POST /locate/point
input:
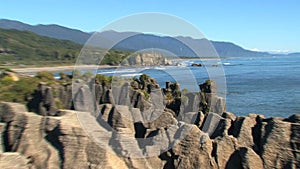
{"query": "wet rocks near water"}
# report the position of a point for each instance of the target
(196, 64)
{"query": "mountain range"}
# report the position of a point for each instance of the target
(138, 42)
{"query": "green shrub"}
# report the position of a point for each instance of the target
(144, 78)
(18, 91)
(184, 99)
(208, 82)
(87, 75)
(114, 57)
(76, 74)
(103, 79)
(59, 104)
(147, 96)
(169, 97)
(7, 80)
(45, 76)
(185, 91)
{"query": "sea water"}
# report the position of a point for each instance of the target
(262, 85)
(269, 86)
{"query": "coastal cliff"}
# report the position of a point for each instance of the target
(146, 59)
(137, 124)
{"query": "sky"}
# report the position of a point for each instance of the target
(260, 25)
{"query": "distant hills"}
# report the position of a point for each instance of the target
(25, 47)
(52, 31)
(175, 45)
(137, 42)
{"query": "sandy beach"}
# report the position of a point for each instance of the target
(34, 70)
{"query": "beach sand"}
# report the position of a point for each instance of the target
(34, 70)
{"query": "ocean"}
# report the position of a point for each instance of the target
(268, 85)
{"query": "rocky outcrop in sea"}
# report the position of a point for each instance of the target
(137, 124)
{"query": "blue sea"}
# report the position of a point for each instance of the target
(262, 85)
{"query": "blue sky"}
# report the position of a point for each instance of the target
(266, 25)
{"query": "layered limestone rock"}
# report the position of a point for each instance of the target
(190, 104)
(146, 59)
(211, 123)
(142, 93)
(210, 101)
(14, 160)
(65, 96)
(196, 118)
(119, 136)
(194, 150)
(137, 124)
(242, 129)
(2, 129)
(244, 157)
(224, 147)
(50, 142)
(43, 101)
(24, 133)
(207, 100)
(279, 144)
(77, 146)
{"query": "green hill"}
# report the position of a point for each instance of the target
(27, 48)
(24, 48)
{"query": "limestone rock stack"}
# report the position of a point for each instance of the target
(119, 137)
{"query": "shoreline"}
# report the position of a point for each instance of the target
(33, 70)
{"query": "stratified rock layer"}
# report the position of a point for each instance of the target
(119, 136)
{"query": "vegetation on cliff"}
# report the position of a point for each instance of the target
(23, 48)
(20, 90)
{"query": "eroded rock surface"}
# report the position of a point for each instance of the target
(43, 101)
(121, 136)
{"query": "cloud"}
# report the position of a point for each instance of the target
(279, 51)
(255, 50)
(275, 51)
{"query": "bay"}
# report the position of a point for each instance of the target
(268, 85)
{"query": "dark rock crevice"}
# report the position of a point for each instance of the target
(5, 137)
(220, 129)
(257, 135)
(202, 125)
(43, 101)
(231, 128)
(234, 130)
(53, 138)
(170, 158)
(140, 130)
(295, 142)
(13, 133)
(267, 129)
(234, 161)
(214, 153)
